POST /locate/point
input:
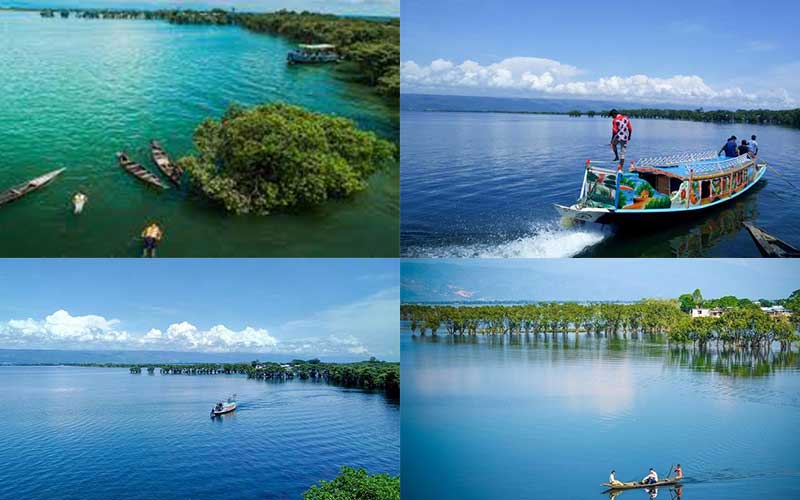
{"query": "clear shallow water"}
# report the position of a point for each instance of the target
(76, 91)
(104, 433)
(484, 185)
(507, 417)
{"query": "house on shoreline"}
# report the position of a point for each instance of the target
(777, 311)
(700, 312)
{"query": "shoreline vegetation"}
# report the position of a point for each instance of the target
(356, 484)
(738, 323)
(370, 375)
(372, 45)
(786, 118)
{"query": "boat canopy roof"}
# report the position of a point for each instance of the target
(696, 164)
(317, 46)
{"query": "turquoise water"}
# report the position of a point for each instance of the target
(98, 433)
(528, 416)
(76, 91)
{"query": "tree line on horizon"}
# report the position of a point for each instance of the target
(371, 375)
(785, 117)
(743, 324)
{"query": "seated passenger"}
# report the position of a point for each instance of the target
(743, 149)
(729, 148)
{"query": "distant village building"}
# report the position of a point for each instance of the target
(776, 311)
(700, 312)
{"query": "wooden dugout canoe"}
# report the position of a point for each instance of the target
(770, 246)
(139, 171)
(633, 485)
(165, 163)
(21, 190)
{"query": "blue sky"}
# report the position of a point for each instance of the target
(706, 53)
(316, 307)
(352, 7)
(594, 279)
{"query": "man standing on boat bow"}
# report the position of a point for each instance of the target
(621, 132)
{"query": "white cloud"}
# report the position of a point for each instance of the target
(531, 76)
(367, 327)
(61, 330)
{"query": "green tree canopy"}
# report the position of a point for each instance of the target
(687, 302)
(697, 297)
(278, 156)
(356, 484)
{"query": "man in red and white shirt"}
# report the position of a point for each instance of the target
(621, 131)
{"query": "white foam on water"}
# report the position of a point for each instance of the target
(545, 241)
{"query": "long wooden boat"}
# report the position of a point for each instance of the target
(633, 485)
(769, 245)
(139, 171)
(164, 162)
(21, 190)
(676, 185)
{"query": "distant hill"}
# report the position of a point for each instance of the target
(37, 356)
(430, 102)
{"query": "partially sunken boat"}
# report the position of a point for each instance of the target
(769, 245)
(139, 171)
(664, 185)
(164, 162)
(313, 54)
(633, 485)
(21, 190)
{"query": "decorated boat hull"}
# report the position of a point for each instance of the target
(609, 197)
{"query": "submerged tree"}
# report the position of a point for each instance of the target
(278, 156)
(356, 484)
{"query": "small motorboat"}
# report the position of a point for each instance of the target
(222, 408)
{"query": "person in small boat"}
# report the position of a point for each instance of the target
(678, 472)
(621, 133)
(753, 145)
(651, 477)
(743, 148)
(612, 479)
(152, 236)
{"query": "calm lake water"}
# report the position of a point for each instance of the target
(484, 185)
(76, 91)
(507, 417)
(103, 433)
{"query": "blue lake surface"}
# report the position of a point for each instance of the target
(101, 433)
(514, 417)
(484, 185)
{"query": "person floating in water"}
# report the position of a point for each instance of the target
(729, 148)
(621, 133)
(651, 477)
(78, 201)
(612, 479)
(152, 236)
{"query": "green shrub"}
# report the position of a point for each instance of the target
(356, 484)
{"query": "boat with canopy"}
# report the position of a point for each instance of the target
(313, 54)
(663, 185)
(222, 408)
